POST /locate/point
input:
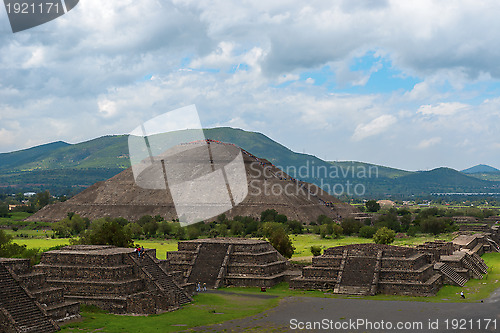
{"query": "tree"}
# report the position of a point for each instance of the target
(144, 220)
(350, 226)
(104, 232)
(384, 236)
(295, 227)
(4, 211)
(316, 250)
(150, 228)
(280, 240)
(269, 215)
(192, 232)
(133, 230)
(42, 199)
(367, 231)
(372, 206)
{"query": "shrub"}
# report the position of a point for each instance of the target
(350, 226)
(367, 231)
(280, 240)
(133, 230)
(102, 232)
(337, 231)
(412, 231)
(316, 250)
(384, 236)
(372, 206)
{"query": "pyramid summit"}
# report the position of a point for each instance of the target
(268, 188)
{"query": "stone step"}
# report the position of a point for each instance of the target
(451, 274)
(353, 290)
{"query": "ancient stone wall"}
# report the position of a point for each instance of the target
(229, 261)
(114, 279)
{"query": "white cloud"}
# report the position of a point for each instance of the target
(428, 142)
(374, 127)
(442, 109)
(86, 68)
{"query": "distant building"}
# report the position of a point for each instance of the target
(386, 203)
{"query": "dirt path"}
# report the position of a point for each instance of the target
(462, 317)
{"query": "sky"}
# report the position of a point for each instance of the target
(407, 84)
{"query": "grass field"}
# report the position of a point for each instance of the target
(15, 219)
(206, 309)
(302, 243)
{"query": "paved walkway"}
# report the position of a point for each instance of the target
(421, 316)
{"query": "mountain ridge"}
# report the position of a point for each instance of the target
(61, 166)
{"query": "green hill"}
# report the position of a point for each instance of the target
(66, 168)
(481, 168)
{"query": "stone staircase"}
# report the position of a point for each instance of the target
(164, 280)
(208, 263)
(221, 262)
(479, 263)
(23, 312)
(451, 274)
(113, 279)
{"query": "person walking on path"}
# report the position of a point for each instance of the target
(204, 286)
(198, 287)
(462, 294)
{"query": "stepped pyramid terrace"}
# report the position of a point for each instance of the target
(369, 269)
(268, 188)
(221, 262)
(27, 301)
(114, 279)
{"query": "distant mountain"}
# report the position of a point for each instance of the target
(440, 180)
(66, 168)
(481, 168)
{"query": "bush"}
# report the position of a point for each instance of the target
(384, 236)
(435, 226)
(282, 243)
(295, 227)
(102, 232)
(367, 231)
(316, 250)
(337, 231)
(269, 215)
(350, 226)
(412, 231)
(372, 206)
(133, 230)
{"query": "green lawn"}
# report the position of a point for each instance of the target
(303, 243)
(207, 309)
(161, 246)
(42, 243)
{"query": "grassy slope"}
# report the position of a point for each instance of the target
(206, 309)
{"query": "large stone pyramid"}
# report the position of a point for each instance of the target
(268, 188)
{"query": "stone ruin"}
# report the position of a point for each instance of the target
(368, 269)
(221, 262)
(114, 279)
(27, 301)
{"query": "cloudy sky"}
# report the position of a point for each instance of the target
(408, 84)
